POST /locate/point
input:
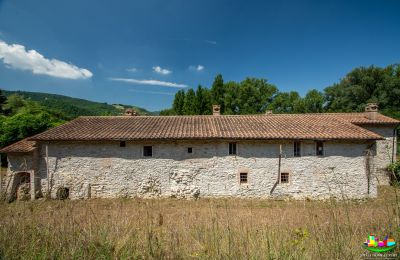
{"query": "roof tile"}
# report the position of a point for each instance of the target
(279, 126)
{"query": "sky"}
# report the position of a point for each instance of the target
(142, 52)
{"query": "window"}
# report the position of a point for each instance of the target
(190, 150)
(148, 151)
(284, 177)
(320, 148)
(232, 148)
(297, 149)
(243, 178)
(122, 144)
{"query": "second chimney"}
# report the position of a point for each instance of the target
(216, 110)
(371, 110)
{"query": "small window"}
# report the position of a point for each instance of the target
(232, 148)
(190, 150)
(320, 148)
(243, 178)
(284, 177)
(122, 144)
(148, 151)
(297, 149)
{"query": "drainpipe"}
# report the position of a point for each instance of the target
(279, 169)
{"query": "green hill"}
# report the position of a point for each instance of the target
(74, 107)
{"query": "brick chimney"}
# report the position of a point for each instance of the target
(216, 110)
(371, 111)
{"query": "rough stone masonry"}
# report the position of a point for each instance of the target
(352, 162)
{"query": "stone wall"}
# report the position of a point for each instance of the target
(94, 170)
(18, 164)
(383, 153)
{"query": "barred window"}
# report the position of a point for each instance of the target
(284, 177)
(122, 144)
(190, 150)
(243, 178)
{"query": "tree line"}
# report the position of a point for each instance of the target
(254, 96)
(20, 118)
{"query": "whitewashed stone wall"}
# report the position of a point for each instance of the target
(383, 153)
(17, 163)
(93, 170)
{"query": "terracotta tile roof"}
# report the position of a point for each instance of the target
(362, 119)
(23, 146)
(246, 127)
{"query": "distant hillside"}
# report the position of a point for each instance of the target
(74, 107)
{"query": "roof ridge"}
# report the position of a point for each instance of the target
(244, 115)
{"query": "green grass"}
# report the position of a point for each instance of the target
(202, 229)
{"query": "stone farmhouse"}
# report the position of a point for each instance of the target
(299, 156)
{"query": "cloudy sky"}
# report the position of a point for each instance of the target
(142, 52)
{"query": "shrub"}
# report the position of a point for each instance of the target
(394, 168)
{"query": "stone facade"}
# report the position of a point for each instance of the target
(19, 175)
(383, 153)
(105, 170)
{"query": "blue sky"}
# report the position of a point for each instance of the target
(142, 52)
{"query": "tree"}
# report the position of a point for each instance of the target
(364, 85)
(29, 120)
(203, 102)
(179, 102)
(314, 102)
(190, 102)
(255, 95)
(231, 98)
(3, 100)
(287, 102)
(218, 92)
(14, 103)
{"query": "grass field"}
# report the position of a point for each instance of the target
(202, 229)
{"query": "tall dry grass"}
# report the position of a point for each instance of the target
(203, 229)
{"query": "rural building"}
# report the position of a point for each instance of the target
(316, 156)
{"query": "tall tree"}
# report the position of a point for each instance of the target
(218, 92)
(231, 98)
(190, 103)
(203, 101)
(179, 102)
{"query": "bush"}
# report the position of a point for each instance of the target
(394, 169)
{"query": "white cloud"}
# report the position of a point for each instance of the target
(15, 56)
(161, 71)
(210, 42)
(200, 67)
(152, 92)
(196, 68)
(150, 82)
(131, 69)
